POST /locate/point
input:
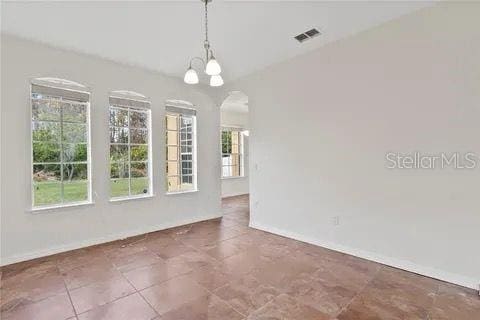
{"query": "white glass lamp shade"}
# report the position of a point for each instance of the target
(213, 68)
(191, 76)
(216, 81)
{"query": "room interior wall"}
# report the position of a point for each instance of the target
(322, 124)
(26, 235)
(236, 186)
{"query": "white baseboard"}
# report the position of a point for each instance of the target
(234, 195)
(90, 242)
(389, 261)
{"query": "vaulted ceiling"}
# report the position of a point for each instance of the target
(163, 36)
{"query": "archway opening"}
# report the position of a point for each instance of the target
(234, 120)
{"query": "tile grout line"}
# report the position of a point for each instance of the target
(228, 304)
(347, 305)
(213, 293)
(99, 306)
(140, 294)
(154, 284)
(67, 290)
(109, 259)
(237, 279)
(214, 242)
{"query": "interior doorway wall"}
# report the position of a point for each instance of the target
(234, 119)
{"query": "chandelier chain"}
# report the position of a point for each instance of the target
(206, 21)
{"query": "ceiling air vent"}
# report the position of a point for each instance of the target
(307, 35)
(312, 33)
(301, 37)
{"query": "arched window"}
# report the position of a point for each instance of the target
(181, 169)
(60, 143)
(130, 146)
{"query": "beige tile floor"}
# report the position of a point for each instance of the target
(222, 269)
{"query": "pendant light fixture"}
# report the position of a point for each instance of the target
(212, 67)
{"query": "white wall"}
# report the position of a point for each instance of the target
(25, 235)
(238, 185)
(322, 123)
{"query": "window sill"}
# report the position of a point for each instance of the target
(123, 199)
(180, 192)
(230, 178)
(60, 207)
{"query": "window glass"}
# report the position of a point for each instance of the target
(180, 166)
(60, 147)
(129, 151)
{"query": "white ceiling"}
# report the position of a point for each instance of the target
(236, 101)
(162, 36)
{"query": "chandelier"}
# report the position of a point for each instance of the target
(212, 68)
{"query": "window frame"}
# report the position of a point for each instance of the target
(149, 161)
(241, 153)
(60, 85)
(180, 175)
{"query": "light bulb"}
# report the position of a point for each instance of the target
(216, 81)
(191, 76)
(213, 68)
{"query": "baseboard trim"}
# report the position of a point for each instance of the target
(235, 195)
(389, 261)
(91, 242)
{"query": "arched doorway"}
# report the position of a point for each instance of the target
(234, 144)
